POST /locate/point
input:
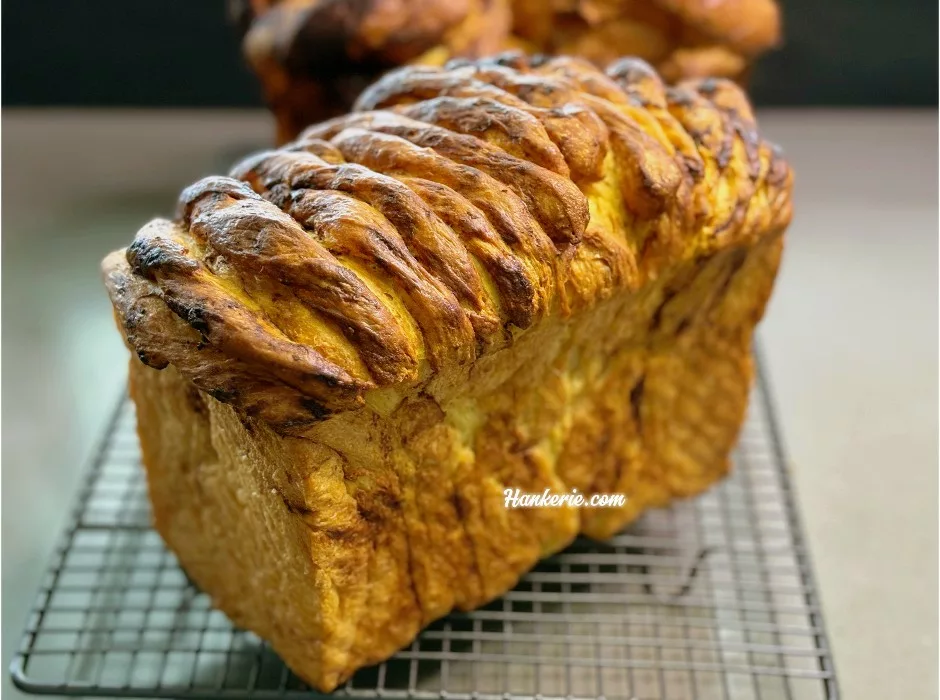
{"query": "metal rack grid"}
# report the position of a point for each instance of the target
(712, 598)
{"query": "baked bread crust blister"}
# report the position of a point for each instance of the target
(506, 273)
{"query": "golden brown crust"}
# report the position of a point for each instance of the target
(578, 133)
(650, 177)
(554, 201)
(389, 244)
(510, 129)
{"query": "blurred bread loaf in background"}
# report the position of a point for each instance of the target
(314, 57)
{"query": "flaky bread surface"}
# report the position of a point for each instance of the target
(510, 273)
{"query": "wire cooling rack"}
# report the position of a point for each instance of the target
(712, 598)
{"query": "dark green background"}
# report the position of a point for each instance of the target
(185, 53)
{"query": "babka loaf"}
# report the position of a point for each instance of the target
(512, 273)
(314, 56)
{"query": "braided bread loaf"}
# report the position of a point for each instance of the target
(509, 273)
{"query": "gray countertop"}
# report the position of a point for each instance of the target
(850, 337)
